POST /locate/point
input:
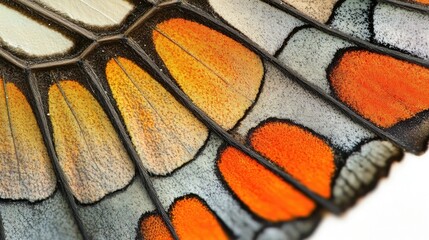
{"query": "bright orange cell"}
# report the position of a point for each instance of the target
(421, 1)
(382, 89)
(299, 152)
(266, 194)
(152, 227)
(219, 74)
(193, 220)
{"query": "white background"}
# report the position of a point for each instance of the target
(398, 208)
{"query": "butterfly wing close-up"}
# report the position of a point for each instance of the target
(203, 119)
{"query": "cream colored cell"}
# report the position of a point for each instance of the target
(94, 13)
(320, 10)
(164, 133)
(23, 34)
(25, 168)
(89, 150)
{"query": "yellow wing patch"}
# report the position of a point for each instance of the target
(25, 168)
(89, 150)
(165, 134)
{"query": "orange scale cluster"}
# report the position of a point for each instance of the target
(426, 2)
(153, 227)
(299, 152)
(264, 193)
(381, 88)
(191, 219)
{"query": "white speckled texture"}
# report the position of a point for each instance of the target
(285, 99)
(352, 17)
(42, 220)
(262, 23)
(403, 29)
(309, 52)
(117, 216)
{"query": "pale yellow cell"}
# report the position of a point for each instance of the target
(164, 133)
(25, 168)
(220, 75)
(89, 150)
(320, 10)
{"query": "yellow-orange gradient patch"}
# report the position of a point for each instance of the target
(266, 194)
(25, 168)
(165, 134)
(381, 88)
(299, 152)
(191, 219)
(220, 75)
(89, 150)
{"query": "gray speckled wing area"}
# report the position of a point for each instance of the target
(266, 26)
(282, 98)
(48, 219)
(116, 216)
(311, 47)
(388, 25)
(402, 29)
(353, 17)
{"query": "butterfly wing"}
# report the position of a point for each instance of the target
(247, 125)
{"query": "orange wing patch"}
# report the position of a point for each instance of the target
(421, 1)
(191, 219)
(89, 150)
(381, 88)
(220, 75)
(194, 220)
(266, 194)
(165, 134)
(25, 168)
(303, 155)
(300, 153)
(152, 227)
